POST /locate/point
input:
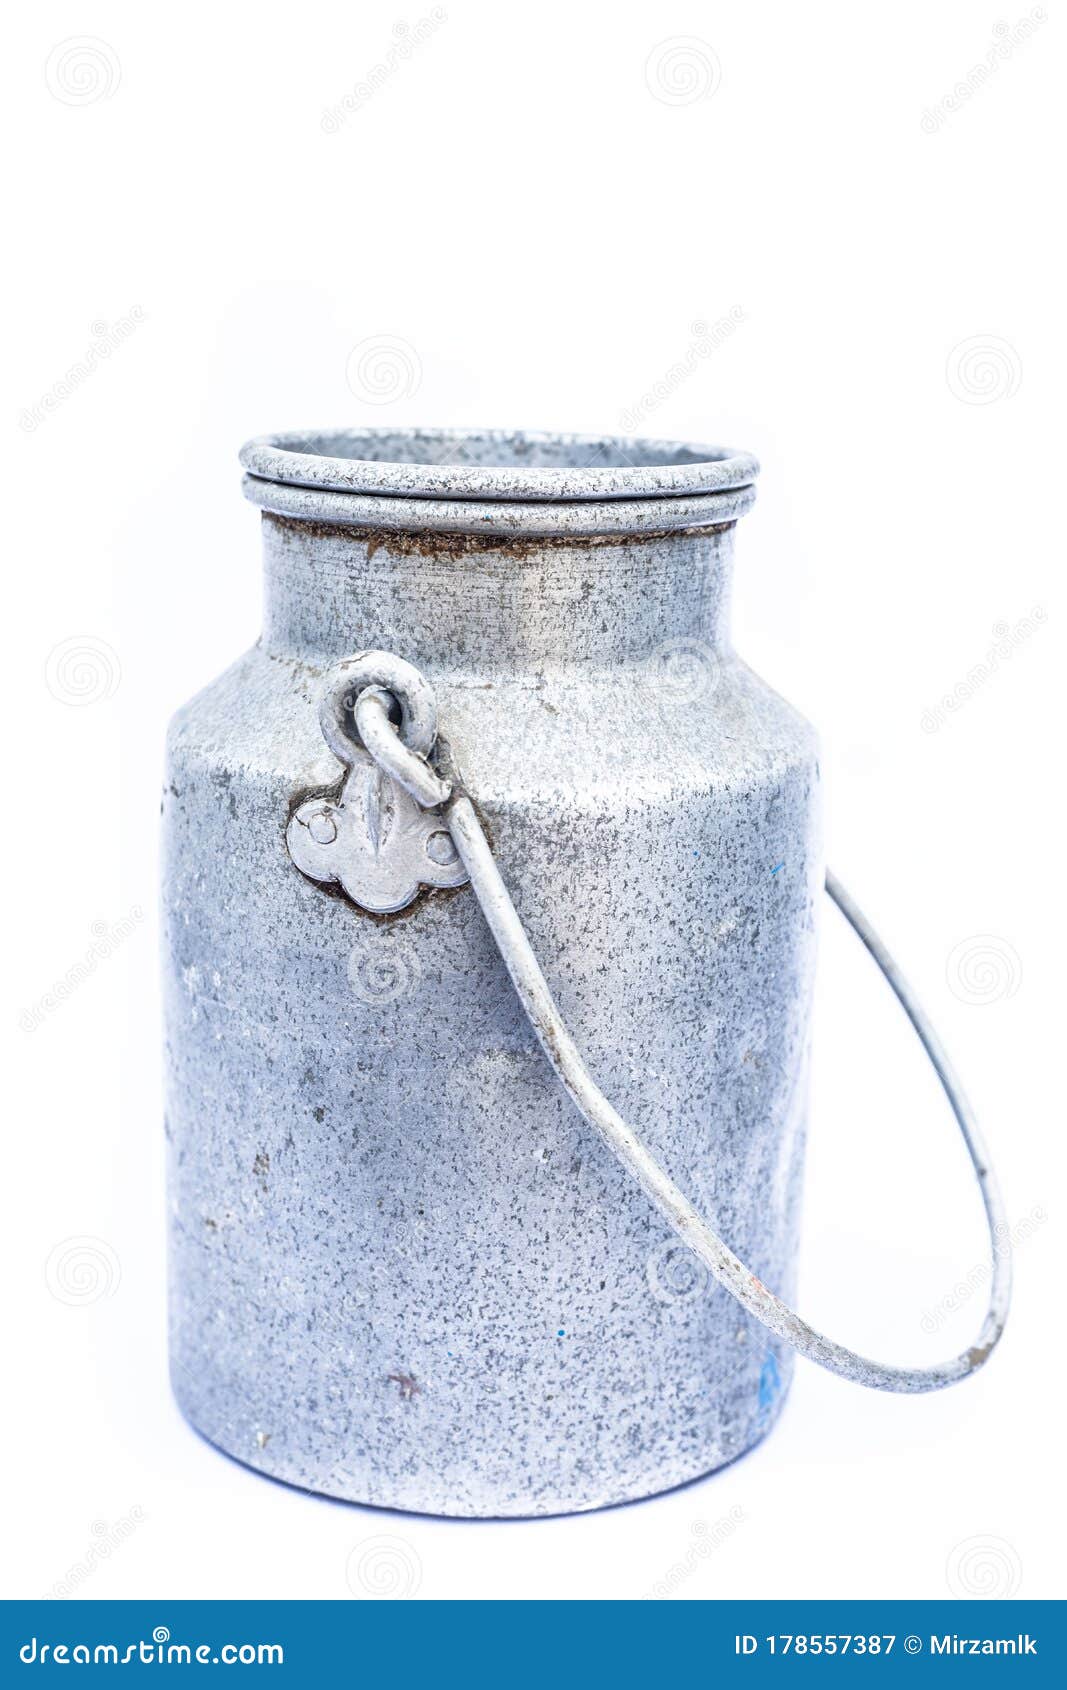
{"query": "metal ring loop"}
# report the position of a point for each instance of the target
(412, 692)
(388, 750)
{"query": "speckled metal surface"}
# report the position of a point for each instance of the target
(403, 1271)
(479, 464)
(470, 482)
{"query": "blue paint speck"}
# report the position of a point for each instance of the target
(770, 1386)
(775, 870)
(561, 1333)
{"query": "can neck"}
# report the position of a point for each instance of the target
(483, 606)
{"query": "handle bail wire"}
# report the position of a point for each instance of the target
(409, 766)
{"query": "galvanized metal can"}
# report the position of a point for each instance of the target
(403, 1271)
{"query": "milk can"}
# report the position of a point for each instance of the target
(492, 804)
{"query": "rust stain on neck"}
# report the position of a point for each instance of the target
(414, 542)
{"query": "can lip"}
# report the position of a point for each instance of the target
(484, 465)
(506, 520)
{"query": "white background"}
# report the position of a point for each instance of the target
(532, 213)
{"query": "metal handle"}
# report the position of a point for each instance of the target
(409, 769)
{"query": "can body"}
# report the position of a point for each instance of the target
(403, 1270)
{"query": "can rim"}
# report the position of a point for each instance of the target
(514, 465)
